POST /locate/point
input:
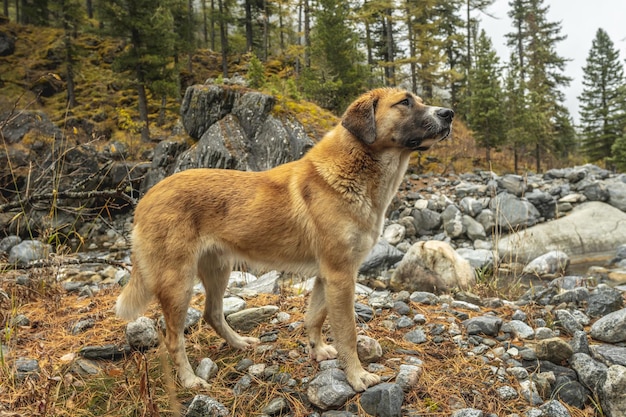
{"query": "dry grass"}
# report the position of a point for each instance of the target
(142, 384)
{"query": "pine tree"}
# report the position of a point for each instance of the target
(541, 73)
(148, 25)
(602, 113)
(485, 103)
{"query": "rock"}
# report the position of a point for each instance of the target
(416, 336)
(25, 121)
(276, 406)
(8, 242)
(432, 266)
(265, 284)
(555, 350)
(617, 195)
(591, 227)
(233, 305)
(519, 329)
(554, 408)
(468, 412)
(368, 349)
(513, 184)
(544, 202)
(473, 229)
(382, 256)
(206, 369)
(394, 233)
(507, 393)
(609, 354)
(567, 321)
(453, 221)
(579, 342)
(487, 325)
(423, 297)
(142, 333)
(384, 400)
(364, 312)
(82, 325)
(610, 328)
(478, 258)
(246, 320)
(7, 44)
(29, 251)
(329, 389)
(550, 263)
(26, 368)
(613, 389)
(380, 299)
(205, 406)
(426, 220)
(591, 373)
(471, 206)
(408, 376)
(570, 392)
(604, 300)
(106, 352)
(512, 213)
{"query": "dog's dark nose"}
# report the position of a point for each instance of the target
(446, 114)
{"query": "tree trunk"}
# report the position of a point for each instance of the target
(248, 24)
(411, 49)
(281, 29)
(515, 160)
(143, 107)
(307, 34)
(223, 38)
(212, 25)
(205, 30)
(71, 90)
(6, 7)
(89, 5)
(266, 32)
(190, 22)
(161, 119)
(488, 155)
(538, 157)
(390, 48)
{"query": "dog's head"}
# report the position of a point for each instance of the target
(397, 118)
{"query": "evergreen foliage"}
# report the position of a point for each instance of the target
(602, 111)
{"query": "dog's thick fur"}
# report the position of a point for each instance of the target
(319, 215)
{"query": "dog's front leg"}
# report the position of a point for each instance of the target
(315, 316)
(339, 294)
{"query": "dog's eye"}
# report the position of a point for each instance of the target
(404, 102)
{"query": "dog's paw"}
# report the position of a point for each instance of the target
(244, 342)
(323, 352)
(194, 382)
(362, 379)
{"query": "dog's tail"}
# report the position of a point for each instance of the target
(135, 296)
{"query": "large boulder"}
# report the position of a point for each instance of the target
(432, 266)
(236, 130)
(592, 227)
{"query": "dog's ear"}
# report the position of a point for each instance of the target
(360, 118)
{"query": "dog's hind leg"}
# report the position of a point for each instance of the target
(214, 273)
(313, 321)
(175, 302)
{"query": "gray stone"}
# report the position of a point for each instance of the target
(232, 305)
(609, 354)
(382, 256)
(276, 406)
(368, 349)
(567, 321)
(519, 329)
(592, 227)
(488, 325)
(471, 206)
(468, 412)
(453, 221)
(364, 312)
(610, 328)
(507, 393)
(514, 184)
(206, 369)
(380, 299)
(248, 319)
(590, 372)
(604, 300)
(579, 342)
(528, 390)
(554, 408)
(513, 213)
(548, 264)
(570, 391)
(488, 220)
(329, 389)
(106, 352)
(142, 333)
(613, 389)
(423, 297)
(25, 368)
(544, 202)
(205, 406)
(28, 251)
(394, 233)
(416, 336)
(8, 242)
(427, 220)
(478, 258)
(82, 325)
(384, 400)
(265, 284)
(617, 195)
(408, 376)
(473, 229)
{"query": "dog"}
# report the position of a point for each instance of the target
(319, 215)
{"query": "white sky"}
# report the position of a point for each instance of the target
(580, 19)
